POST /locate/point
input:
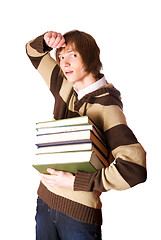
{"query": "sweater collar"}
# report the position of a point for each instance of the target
(93, 87)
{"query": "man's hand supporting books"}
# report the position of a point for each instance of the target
(58, 178)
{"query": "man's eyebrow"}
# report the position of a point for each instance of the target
(71, 50)
(68, 51)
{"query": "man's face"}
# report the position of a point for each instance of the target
(72, 65)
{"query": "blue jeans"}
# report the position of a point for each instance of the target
(52, 225)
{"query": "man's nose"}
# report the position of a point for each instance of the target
(66, 62)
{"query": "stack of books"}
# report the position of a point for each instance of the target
(70, 145)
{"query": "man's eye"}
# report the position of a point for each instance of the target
(61, 58)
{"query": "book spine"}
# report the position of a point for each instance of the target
(62, 143)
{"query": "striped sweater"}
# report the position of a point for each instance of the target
(104, 107)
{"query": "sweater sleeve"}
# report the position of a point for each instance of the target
(129, 167)
(39, 55)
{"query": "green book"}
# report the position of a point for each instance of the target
(86, 161)
(65, 122)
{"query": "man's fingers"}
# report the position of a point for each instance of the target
(50, 179)
(51, 41)
(47, 37)
(61, 43)
(56, 42)
(52, 171)
(54, 39)
(58, 178)
(48, 34)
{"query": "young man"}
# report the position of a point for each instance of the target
(69, 206)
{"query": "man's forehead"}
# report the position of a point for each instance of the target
(69, 47)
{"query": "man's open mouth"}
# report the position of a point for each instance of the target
(68, 72)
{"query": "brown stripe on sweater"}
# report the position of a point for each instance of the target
(35, 60)
(113, 92)
(66, 91)
(69, 207)
(103, 99)
(131, 172)
(33, 52)
(61, 110)
(84, 181)
(120, 135)
(62, 106)
(40, 45)
(56, 81)
(71, 114)
(106, 101)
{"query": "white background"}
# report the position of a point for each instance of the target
(128, 34)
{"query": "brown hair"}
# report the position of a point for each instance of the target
(87, 47)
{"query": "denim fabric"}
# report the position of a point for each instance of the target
(52, 225)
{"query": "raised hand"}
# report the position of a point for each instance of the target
(54, 39)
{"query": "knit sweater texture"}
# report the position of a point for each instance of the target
(104, 107)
